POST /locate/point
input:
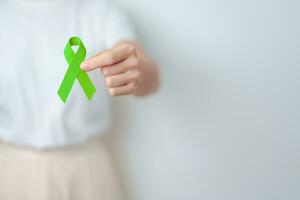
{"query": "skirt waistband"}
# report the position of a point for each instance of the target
(73, 149)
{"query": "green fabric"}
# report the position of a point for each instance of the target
(74, 72)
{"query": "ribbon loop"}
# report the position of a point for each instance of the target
(74, 72)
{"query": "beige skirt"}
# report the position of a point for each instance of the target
(75, 172)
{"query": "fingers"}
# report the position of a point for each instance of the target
(123, 84)
(123, 90)
(122, 79)
(108, 57)
(130, 63)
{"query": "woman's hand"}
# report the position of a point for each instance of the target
(126, 70)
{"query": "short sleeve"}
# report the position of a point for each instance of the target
(117, 26)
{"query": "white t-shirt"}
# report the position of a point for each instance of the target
(33, 37)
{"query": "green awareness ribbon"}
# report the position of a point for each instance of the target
(74, 72)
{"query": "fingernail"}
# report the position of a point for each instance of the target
(85, 65)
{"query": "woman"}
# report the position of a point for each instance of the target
(48, 149)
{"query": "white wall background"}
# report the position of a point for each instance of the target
(226, 123)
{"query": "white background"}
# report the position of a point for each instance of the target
(225, 124)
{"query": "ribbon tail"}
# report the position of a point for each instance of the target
(67, 84)
(86, 84)
(65, 89)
